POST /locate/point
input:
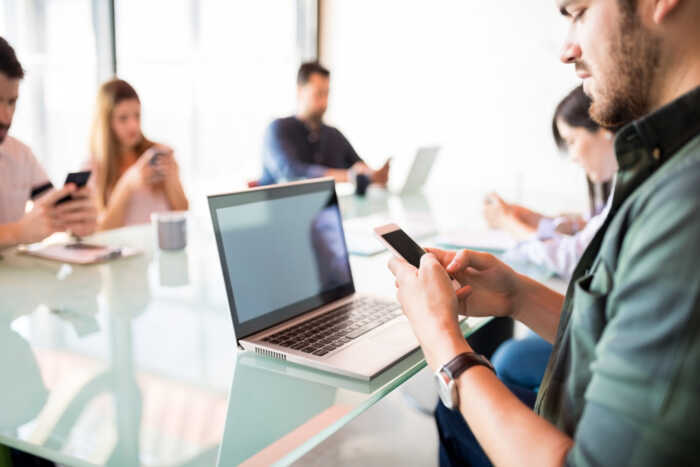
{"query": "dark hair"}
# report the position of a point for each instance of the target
(309, 68)
(9, 64)
(573, 110)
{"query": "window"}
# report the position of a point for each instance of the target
(54, 110)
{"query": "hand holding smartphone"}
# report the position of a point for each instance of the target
(80, 179)
(403, 246)
(399, 243)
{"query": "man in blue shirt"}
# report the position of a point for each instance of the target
(302, 146)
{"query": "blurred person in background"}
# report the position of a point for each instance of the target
(558, 243)
(23, 179)
(133, 176)
(303, 146)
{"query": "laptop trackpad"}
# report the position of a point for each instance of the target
(378, 349)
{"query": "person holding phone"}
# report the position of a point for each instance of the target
(303, 146)
(23, 179)
(132, 175)
(621, 386)
(550, 238)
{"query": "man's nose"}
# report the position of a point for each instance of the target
(570, 52)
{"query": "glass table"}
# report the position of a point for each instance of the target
(133, 362)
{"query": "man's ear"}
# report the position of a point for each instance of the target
(663, 8)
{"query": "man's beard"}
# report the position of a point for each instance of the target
(315, 118)
(625, 92)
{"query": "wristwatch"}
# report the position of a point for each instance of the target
(445, 377)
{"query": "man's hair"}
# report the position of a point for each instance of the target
(628, 6)
(573, 110)
(309, 68)
(9, 65)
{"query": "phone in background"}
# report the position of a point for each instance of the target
(399, 243)
(80, 179)
(40, 190)
(157, 154)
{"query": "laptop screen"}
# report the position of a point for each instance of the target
(282, 251)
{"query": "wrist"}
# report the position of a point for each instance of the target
(517, 296)
(450, 344)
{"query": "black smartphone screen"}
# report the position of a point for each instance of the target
(405, 245)
(80, 179)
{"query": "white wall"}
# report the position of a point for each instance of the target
(481, 78)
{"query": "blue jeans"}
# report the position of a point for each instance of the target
(522, 362)
(520, 365)
(458, 446)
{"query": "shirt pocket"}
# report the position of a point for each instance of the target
(590, 299)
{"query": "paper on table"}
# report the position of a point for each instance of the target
(65, 254)
(491, 240)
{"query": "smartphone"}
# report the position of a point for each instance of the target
(399, 243)
(403, 246)
(80, 179)
(155, 156)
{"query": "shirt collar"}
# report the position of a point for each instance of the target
(660, 134)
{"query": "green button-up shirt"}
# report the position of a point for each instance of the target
(624, 376)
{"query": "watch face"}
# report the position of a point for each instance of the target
(446, 390)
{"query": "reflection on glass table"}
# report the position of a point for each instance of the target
(278, 411)
(132, 362)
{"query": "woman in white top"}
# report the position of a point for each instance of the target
(133, 176)
(558, 243)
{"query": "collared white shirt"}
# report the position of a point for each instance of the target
(20, 172)
(560, 253)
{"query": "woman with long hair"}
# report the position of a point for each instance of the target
(558, 242)
(522, 362)
(132, 175)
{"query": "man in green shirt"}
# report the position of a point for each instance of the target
(623, 384)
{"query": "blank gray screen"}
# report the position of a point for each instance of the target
(282, 251)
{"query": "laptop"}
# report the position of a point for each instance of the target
(290, 288)
(420, 170)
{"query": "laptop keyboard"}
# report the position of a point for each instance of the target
(336, 328)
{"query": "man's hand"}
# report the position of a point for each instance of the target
(431, 306)
(79, 215)
(381, 176)
(43, 220)
(489, 287)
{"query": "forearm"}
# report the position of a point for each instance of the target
(9, 235)
(519, 229)
(115, 211)
(177, 200)
(509, 432)
(538, 307)
(340, 175)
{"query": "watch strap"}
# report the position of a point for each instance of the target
(462, 362)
